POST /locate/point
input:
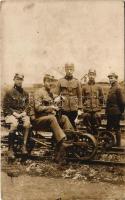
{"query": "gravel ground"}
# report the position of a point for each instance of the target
(45, 188)
(45, 180)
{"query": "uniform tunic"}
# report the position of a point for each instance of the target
(92, 97)
(70, 88)
(15, 101)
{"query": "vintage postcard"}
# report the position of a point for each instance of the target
(62, 99)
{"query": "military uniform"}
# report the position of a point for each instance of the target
(45, 118)
(16, 100)
(114, 108)
(15, 107)
(70, 89)
(93, 99)
(92, 96)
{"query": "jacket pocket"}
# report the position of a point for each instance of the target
(73, 103)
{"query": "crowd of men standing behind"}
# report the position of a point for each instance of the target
(76, 100)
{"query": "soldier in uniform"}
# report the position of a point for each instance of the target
(15, 107)
(45, 115)
(115, 106)
(70, 88)
(93, 99)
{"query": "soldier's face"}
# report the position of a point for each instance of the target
(18, 82)
(47, 84)
(112, 79)
(69, 72)
(91, 76)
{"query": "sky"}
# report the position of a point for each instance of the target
(39, 37)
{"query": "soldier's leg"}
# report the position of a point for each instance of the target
(50, 122)
(26, 125)
(113, 124)
(109, 125)
(13, 126)
(72, 116)
(97, 119)
(65, 123)
(87, 121)
(117, 129)
(96, 122)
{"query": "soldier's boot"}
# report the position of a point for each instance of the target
(24, 149)
(61, 151)
(11, 138)
(118, 139)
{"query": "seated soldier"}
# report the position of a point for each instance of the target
(15, 106)
(93, 100)
(45, 118)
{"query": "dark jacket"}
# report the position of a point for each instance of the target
(115, 101)
(70, 88)
(92, 97)
(42, 99)
(15, 101)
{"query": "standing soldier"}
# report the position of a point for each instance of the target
(93, 100)
(15, 107)
(70, 88)
(115, 106)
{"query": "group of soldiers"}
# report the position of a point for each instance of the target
(75, 100)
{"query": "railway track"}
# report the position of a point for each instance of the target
(89, 162)
(117, 151)
(74, 160)
(113, 150)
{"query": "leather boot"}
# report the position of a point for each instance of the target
(24, 150)
(11, 138)
(61, 151)
(118, 139)
(11, 154)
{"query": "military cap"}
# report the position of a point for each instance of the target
(20, 76)
(92, 71)
(69, 66)
(48, 76)
(113, 75)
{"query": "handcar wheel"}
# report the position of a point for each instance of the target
(86, 147)
(106, 139)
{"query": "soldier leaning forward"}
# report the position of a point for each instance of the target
(93, 99)
(115, 106)
(70, 88)
(15, 107)
(45, 118)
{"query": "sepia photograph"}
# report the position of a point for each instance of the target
(62, 99)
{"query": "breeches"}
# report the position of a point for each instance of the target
(13, 121)
(71, 115)
(50, 123)
(89, 119)
(113, 122)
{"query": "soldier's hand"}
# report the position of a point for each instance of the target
(54, 108)
(57, 99)
(17, 115)
(80, 112)
(50, 109)
(32, 117)
(23, 114)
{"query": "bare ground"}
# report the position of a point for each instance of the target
(44, 188)
(45, 180)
